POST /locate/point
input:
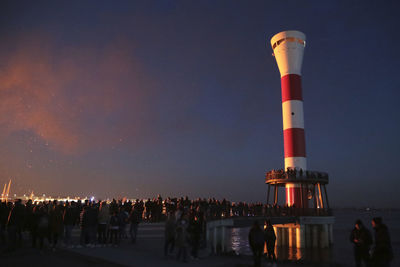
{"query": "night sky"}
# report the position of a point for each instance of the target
(126, 98)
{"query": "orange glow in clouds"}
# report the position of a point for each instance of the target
(63, 96)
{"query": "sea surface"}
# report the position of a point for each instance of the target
(342, 250)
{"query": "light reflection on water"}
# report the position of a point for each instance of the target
(238, 242)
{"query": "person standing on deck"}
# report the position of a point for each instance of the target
(362, 240)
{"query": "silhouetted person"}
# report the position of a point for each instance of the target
(362, 240)
(382, 253)
(33, 225)
(103, 218)
(56, 226)
(134, 219)
(181, 240)
(42, 225)
(3, 222)
(28, 223)
(83, 223)
(170, 231)
(70, 218)
(123, 219)
(114, 229)
(11, 227)
(91, 224)
(256, 242)
(195, 235)
(18, 213)
(270, 238)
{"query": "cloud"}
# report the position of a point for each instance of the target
(73, 98)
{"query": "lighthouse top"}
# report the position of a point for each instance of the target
(288, 49)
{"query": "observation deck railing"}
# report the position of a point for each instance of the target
(281, 176)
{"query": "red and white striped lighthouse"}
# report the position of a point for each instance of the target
(288, 47)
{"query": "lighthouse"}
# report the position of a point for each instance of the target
(288, 49)
(305, 190)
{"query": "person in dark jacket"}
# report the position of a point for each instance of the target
(33, 224)
(3, 221)
(362, 240)
(270, 238)
(28, 223)
(42, 221)
(382, 253)
(123, 219)
(70, 218)
(256, 242)
(103, 218)
(181, 238)
(170, 231)
(91, 224)
(56, 226)
(114, 229)
(134, 219)
(84, 225)
(12, 221)
(18, 213)
(195, 235)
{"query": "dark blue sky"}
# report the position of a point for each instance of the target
(129, 98)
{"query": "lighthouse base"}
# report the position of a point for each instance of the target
(308, 232)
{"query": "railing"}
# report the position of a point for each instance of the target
(293, 211)
(296, 174)
(276, 211)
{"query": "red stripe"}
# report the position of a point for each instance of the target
(294, 142)
(291, 87)
(295, 197)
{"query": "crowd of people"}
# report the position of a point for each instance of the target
(184, 229)
(293, 173)
(101, 223)
(157, 209)
(49, 224)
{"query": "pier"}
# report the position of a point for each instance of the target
(291, 231)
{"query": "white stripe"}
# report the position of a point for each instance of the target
(292, 114)
(296, 162)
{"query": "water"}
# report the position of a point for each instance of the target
(342, 250)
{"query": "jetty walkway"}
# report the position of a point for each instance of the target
(147, 251)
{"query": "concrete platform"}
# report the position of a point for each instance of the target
(147, 251)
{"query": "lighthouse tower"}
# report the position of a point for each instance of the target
(288, 47)
(313, 221)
